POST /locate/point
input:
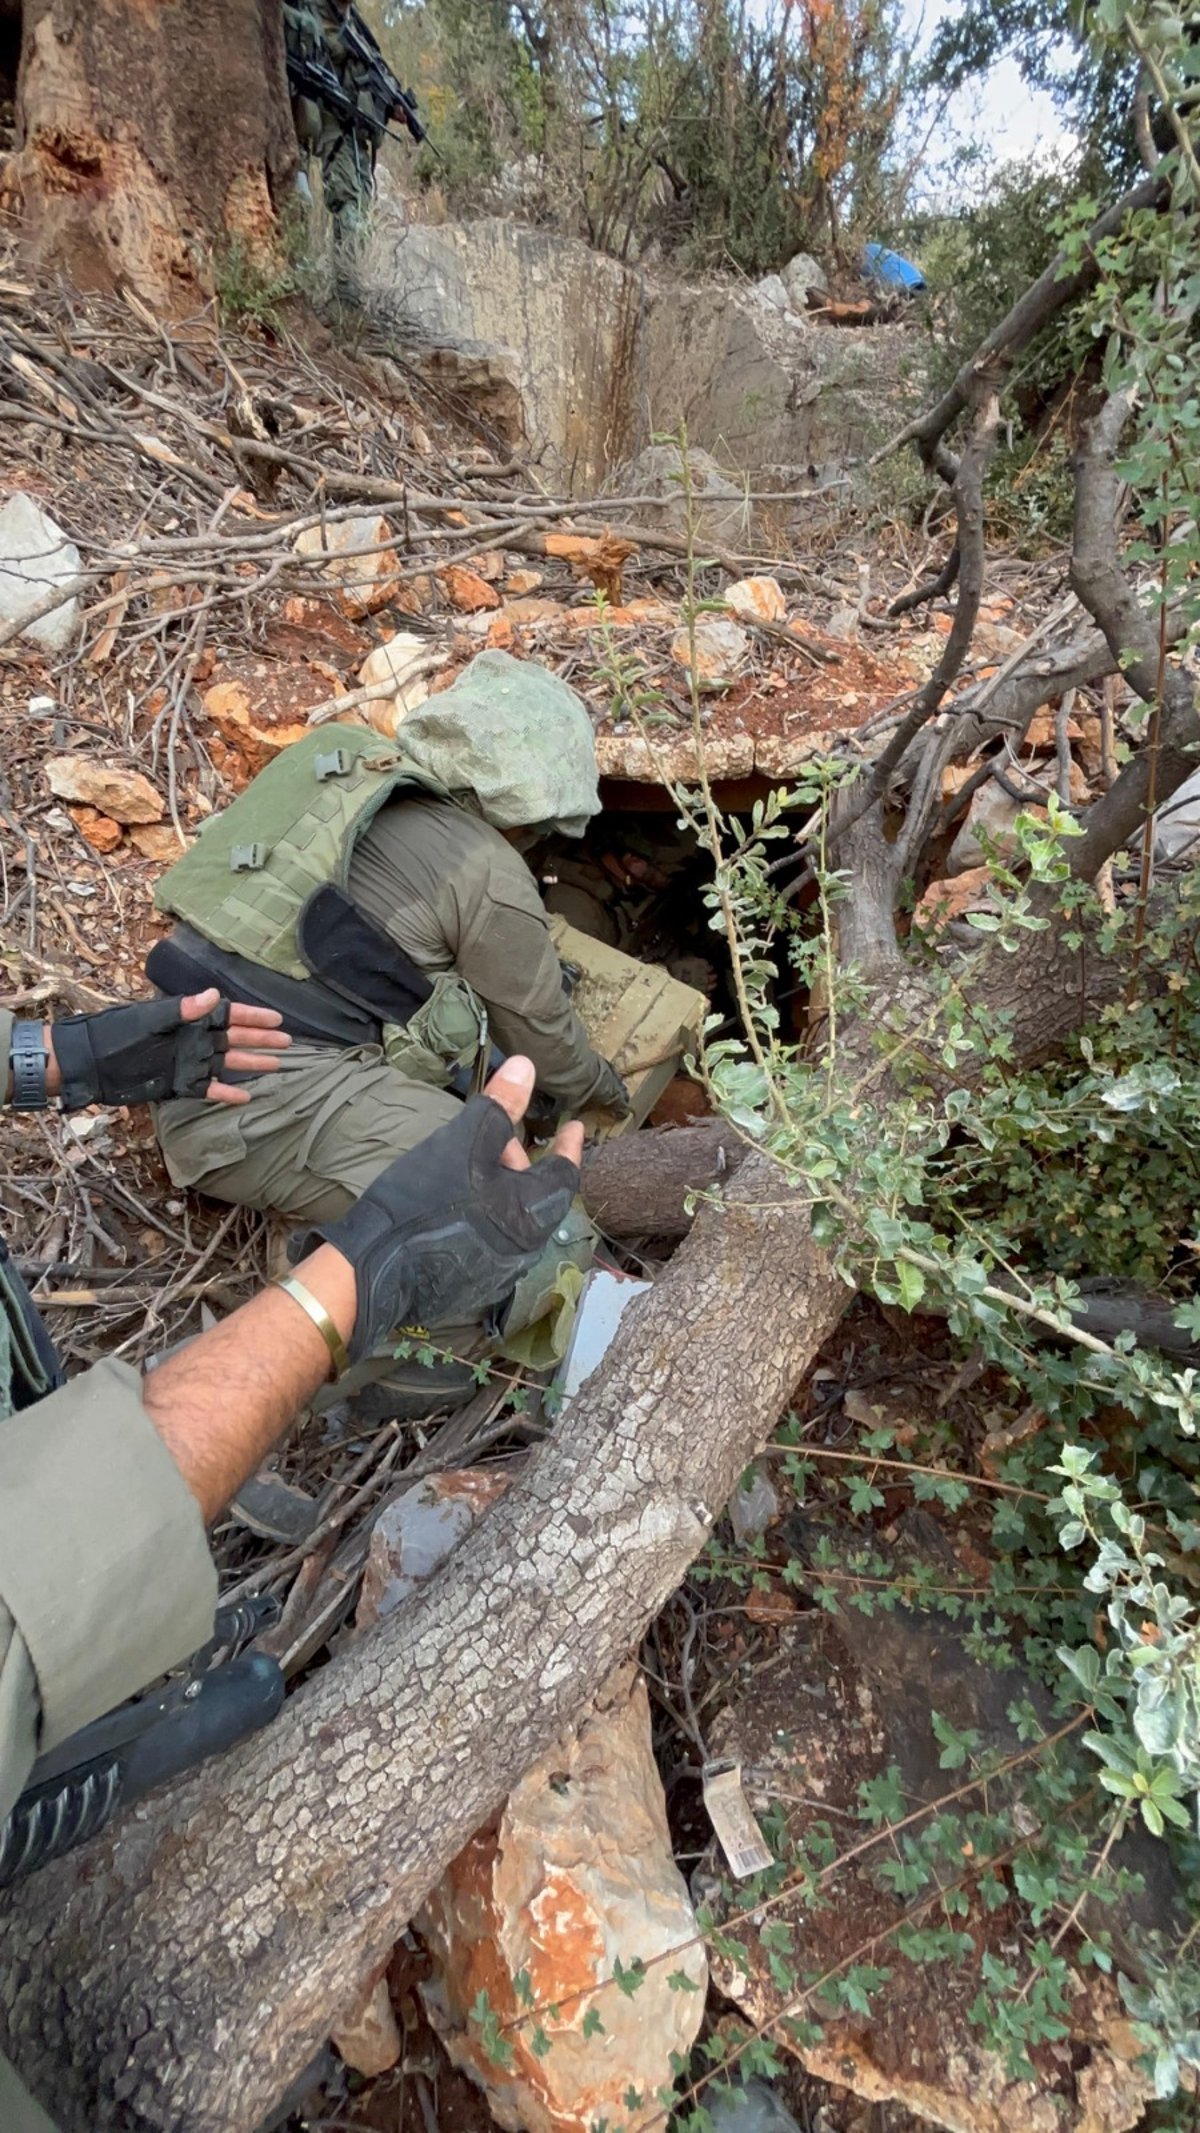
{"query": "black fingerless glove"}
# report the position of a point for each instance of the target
(140, 1054)
(446, 1231)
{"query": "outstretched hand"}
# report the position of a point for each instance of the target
(152, 1050)
(446, 1231)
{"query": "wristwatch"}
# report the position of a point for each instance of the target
(28, 1062)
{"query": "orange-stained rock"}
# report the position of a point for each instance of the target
(519, 582)
(414, 596)
(466, 590)
(756, 599)
(249, 725)
(501, 633)
(100, 831)
(525, 611)
(158, 841)
(575, 1876)
(342, 551)
(490, 565)
(417, 1531)
(109, 788)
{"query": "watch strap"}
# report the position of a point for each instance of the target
(28, 1063)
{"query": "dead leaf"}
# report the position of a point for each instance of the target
(124, 794)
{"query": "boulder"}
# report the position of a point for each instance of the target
(575, 1878)
(35, 556)
(107, 787)
(757, 599)
(365, 581)
(801, 277)
(1177, 823)
(368, 2037)
(716, 647)
(721, 514)
(771, 290)
(403, 662)
(993, 811)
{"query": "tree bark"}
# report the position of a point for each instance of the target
(636, 1185)
(146, 135)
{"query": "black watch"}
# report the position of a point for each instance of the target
(28, 1060)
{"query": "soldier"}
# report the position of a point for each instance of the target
(344, 95)
(108, 1483)
(371, 891)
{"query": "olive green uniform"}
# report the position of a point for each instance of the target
(105, 1577)
(346, 153)
(453, 894)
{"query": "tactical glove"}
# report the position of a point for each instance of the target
(140, 1054)
(446, 1231)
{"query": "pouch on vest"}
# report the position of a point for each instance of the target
(431, 1026)
(448, 1032)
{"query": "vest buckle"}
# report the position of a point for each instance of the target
(247, 858)
(333, 765)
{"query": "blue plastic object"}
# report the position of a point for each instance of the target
(890, 270)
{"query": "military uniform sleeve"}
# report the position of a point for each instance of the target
(496, 929)
(105, 1576)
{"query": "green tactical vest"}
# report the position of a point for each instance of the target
(246, 879)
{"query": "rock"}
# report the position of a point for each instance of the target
(35, 556)
(771, 290)
(667, 757)
(100, 831)
(576, 1875)
(1041, 731)
(368, 2038)
(720, 512)
(757, 599)
(803, 277)
(993, 812)
(364, 581)
(158, 841)
(416, 1532)
(874, 1683)
(719, 647)
(466, 590)
(257, 729)
(404, 661)
(520, 582)
(523, 612)
(1177, 823)
(746, 2107)
(109, 788)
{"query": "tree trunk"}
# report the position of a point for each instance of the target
(147, 136)
(637, 1184)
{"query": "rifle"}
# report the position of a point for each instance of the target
(387, 88)
(316, 78)
(222, 1696)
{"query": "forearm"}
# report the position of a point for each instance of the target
(221, 1402)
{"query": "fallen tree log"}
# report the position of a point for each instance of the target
(178, 1973)
(636, 1184)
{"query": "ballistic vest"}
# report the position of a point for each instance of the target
(246, 879)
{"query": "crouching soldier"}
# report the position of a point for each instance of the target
(372, 892)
